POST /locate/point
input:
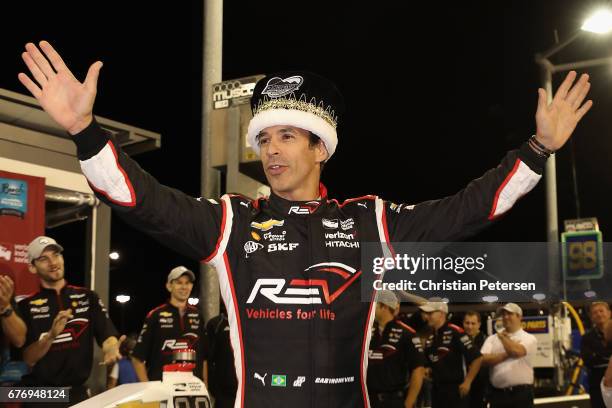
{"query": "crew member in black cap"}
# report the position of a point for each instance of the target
(290, 266)
(453, 358)
(172, 326)
(62, 321)
(396, 358)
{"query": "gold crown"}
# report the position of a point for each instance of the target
(327, 114)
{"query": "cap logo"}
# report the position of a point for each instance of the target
(277, 87)
(43, 241)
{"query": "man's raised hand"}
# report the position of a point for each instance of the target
(556, 121)
(68, 101)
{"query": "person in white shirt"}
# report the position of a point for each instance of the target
(509, 354)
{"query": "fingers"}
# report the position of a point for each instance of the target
(91, 81)
(39, 76)
(6, 290)
(40, 60)
(584, 109)
(64, 315)
(580, 88)
(54, 57)
(30, 85)
(580, 95)
(542, 99)
(565, 86)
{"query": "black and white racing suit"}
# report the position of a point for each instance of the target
(290, 271)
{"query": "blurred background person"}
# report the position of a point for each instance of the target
(449, 352)
(122, 372)
(471, 324)
(172, 326)
(395, 359)
(595, 351)
(221, 373)
(508, 354)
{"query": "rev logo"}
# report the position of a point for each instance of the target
(305, 209)
(329, 280)
(188, 341)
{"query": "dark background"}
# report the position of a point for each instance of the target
(436, 93)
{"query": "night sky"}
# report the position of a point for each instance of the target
(436, 93)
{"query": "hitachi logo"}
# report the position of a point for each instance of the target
(341, 244)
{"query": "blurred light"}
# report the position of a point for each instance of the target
(114, 255)
(193, 301)
(541, 312)
(590, 293)
(600, 22)
(539, 296)
(122, 298)
(490, 299)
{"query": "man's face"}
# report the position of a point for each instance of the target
(180, 288)
(289, 162)
(435, 318)
(511, 321)
(49, 266)
(600, 314)
(471, 325)
(383, 312)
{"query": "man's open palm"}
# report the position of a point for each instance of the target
(68, 101)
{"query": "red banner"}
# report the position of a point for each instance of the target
(22, 218)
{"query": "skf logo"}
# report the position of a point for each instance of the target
(38, 302)
(165, 314)
(267, 225)
(282, 246)
(329, 280)
(187, 342)
(305, 209)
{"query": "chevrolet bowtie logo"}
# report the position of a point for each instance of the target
(267, 225)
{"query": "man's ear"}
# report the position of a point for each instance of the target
(322, 153)
(169, 287)
(32, 268)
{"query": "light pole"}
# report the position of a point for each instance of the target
(600, 23)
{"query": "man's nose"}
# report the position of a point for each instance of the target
(273, 147)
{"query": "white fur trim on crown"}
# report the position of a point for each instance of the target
(304, 120)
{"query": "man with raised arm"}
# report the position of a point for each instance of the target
(290, 265)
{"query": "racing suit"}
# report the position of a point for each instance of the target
(166, 331)
(290, 272)
(70, 358)
(393, 355)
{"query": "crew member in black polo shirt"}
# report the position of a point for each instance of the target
(395, 355)
(62, 321)
(595, 351)
(453, 358)
(174, 325)
(222, 382)
(471, 325)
